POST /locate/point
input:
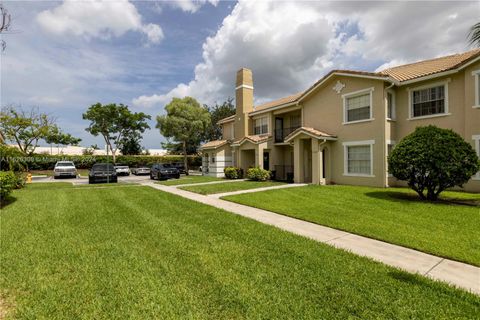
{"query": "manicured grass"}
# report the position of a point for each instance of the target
(449, 228)
(189, 179)
(143, 254)
(230, 186)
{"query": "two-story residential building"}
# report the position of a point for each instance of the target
(342, 128)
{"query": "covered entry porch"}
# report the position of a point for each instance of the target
(251, 152)
(311, 155)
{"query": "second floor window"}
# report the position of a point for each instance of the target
(358, 108)
(261, 126)
(429, 101)
(390, 105)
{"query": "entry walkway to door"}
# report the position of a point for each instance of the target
(456, 273)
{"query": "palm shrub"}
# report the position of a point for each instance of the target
(432, 159)
(258, 174)
(233, 172)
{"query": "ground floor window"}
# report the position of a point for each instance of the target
(358, 158)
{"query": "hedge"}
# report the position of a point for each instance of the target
(233, 173)
(258, 174)
(47, 162)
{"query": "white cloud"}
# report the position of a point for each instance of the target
(97, 18)
(191, 6)
(289, 45)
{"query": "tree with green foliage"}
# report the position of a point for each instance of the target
(25, 128)
(474, 34)
(185, 122)
(114, 122)
(432, 159)
(130, 145)
(217, 113)
(58, 137)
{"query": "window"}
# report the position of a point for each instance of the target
(295, 121)
(429, 101)
(476, 74)
(390, 105)
(476, 142)
(358, 158)
(261, 126)
(390, 146)
(357, 106)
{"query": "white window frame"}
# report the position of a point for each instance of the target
(476, 142)
(260, 119)
(347, 144)
(353, 95)
(476, 74)
(428, 86)
(394, 106)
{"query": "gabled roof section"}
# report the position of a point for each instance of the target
(255, 139)
(214, 144)
(278, 102)
(227, 119)
(312, 132)
(398, 75)
(424, 68)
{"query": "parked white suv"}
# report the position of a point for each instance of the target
(64, 169)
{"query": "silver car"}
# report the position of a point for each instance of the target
(141, 170)
(122, 170)
(64, 169)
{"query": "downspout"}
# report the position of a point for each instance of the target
(384, 147)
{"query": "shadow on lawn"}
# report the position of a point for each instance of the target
(6, 202)
(398, 196)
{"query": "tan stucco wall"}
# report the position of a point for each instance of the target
(228, 130)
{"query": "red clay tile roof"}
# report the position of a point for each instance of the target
(428, 67)
(278, 102)
(213, 144)
(312, 131)
(257, 138)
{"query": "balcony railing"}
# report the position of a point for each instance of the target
(280, 134)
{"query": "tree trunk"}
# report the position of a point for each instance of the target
(185, 162)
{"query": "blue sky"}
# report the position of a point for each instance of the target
(65, 56)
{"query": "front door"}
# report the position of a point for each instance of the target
(266, 160)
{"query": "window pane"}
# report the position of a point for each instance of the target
(429, 101)
(358, 159)
(389, 105)
(358, 108)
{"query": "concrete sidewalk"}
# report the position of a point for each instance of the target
(205, 183)
(231, 193)
(456, 273)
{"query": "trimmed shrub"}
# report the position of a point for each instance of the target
(8, 182)
(233, 173)
(258, 174)
(432, 159)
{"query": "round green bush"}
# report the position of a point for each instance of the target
(258, 174)
(432, 159)
(233, 173)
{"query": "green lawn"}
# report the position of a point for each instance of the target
(450, 228)
(139, 253)
(189, 179)
(230, 186)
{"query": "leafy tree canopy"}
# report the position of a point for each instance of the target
(217, 113)
(114, 122)
(186, 121)
(432, 159)
(25, 128)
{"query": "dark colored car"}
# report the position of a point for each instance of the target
(102, 172)
(180, 167)
(162, 171)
